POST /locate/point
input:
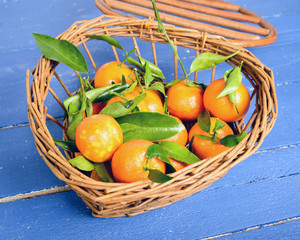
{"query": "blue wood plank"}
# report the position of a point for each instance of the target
(283, 231)
(208, 213)
(22, 169)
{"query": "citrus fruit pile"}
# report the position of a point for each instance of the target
(132, 128)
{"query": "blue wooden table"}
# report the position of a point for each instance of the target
(257, 199)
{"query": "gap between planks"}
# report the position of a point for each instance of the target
(33, 194)
(25, 124)
(66, 188)
(254, 228)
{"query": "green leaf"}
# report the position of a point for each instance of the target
(155, 70)
(76, 119)
(110, 93)
(232, 140)
(103, 173)
(66, 145)
(190, 144)
(158, 86)
(232, 97)
(204, 121)
(203, 137)
(107, 39)
(135, 63)
(218, 125)
(208, 60)
(173, 82)
(123, 80)
(227, 73)
(148, 76)
(95, 95)
(195, 84)
(72, 111)
(158, 177)
(82, 163)
(131, 88)
(71, 132)
(115, 109)
(233, 80)
(161, 157)
(127, 54)
(171, 150)
(119, 109)
(89, 108)
(151, 126)
(61, 51)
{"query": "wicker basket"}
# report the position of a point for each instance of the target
(122, 199)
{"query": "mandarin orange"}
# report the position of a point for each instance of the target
(111, 73)
(205, 148)
(98, 137)
(185, 102)
(223, 108)
(129, 161)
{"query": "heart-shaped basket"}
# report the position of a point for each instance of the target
(128, 199)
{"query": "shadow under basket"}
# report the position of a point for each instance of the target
(129, 199)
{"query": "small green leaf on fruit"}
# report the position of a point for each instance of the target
(174, 82)
(155, 70)
(190, 144)
(103, 173)
(171, 150)
(204, 121)
(233, 140)
(195, 84)
(82, 163)
(233, 80)
(148, 77)
(158, 86)
(203, 137)
(131, 88)
(218, 125)
(158, 177)
(119, 109)
(66, 145)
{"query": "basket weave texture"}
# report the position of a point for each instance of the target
(128, 199)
